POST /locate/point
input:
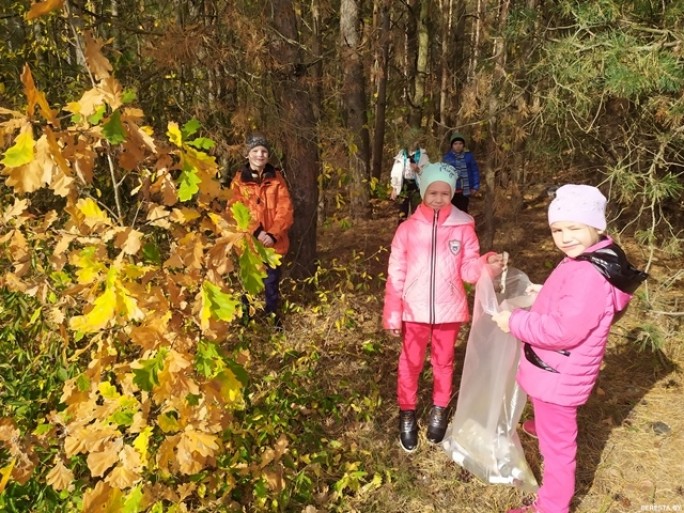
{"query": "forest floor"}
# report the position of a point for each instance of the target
(631, 441)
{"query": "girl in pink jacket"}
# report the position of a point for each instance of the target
(564, 334)
(433, 252)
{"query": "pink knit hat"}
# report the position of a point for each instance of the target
(579, 203)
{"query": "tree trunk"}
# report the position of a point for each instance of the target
(297, 125)
(445, 61)
(381, 77)
(422, 66)
(317, 50)
(354, 107)
(499, 58)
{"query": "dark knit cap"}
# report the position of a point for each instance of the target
(456, 137)
(256, 139)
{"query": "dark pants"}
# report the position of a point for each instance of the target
(460, 201)
(272, 289)
(410, 198)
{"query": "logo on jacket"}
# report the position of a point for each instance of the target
(454, 246)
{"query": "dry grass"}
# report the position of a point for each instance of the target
(627, 462)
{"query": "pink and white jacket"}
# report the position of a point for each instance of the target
(433, 252)
(567, 329)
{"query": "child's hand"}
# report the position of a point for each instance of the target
(502, 319)
(496, 264)
(395, 333)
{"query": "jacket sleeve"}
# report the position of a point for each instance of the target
(397, 174)
(473, 172)
(576, 309)
(424, 159)
(473, 263)
(283, 217)
(396, 278)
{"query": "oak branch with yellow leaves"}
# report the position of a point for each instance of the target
(139, 268)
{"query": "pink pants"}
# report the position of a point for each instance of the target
(557, 432)
(412, 358)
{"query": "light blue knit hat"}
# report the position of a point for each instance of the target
(437, 172)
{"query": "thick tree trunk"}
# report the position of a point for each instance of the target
(297, 125)
(354, 110)
(381, 69)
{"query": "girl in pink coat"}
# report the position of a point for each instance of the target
(564, 334)
(433, 252)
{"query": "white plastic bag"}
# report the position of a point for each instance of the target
(482, 435)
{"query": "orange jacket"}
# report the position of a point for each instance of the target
(268, 201)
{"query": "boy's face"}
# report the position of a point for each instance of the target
(457, 146)
(574, 238)
(258, 158)
(437, 195)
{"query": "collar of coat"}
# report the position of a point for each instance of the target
(247, 174)
(448, 215)
(609, 260)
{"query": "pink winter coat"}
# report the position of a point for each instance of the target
(567, 328)
(433, 252)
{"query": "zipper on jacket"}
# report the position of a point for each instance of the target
(433, 259)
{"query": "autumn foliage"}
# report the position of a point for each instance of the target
(124, 240)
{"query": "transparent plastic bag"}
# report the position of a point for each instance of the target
(482, 436)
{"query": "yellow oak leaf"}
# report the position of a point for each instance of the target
(174, 134)
(97, 63)
(184, 215)
(121, 477)
(63, 185)
(111, 88)
(168, 423)
(22, 152)
(205, 444)
(5, 474)
(130, 458)
(102, 311)
(108, 391)
(89, 261)
(165, 456)
(103, 498)
(94, 215)
(101, 461)
(42, 8)
(60, 477)
(159, 216)
(128, 241)
(15, 210)
(126, 304)
(63, 243)
(142, 443)
(90, 102)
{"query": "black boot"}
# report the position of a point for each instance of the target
(437, 424)
(408, 430)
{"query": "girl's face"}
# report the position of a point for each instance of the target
(437, 195)
(573, 238)
(258, 158)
